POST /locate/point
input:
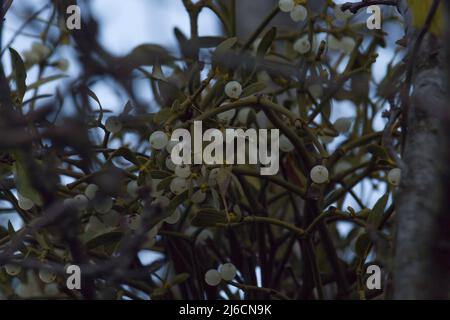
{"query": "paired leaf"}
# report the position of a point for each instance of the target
(208, 217)
(253, 88)
(20, 73)
(376, 214)
(107, 238)
(266, 42)
(23, 180)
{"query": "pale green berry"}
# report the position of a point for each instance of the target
(132, 188)
(262, 76)
(286, 5)
(25, 203)
(91, 191)
(212, 177)
(204, 235)
(155, 192)
(47, 276)
(342, 166)
(173, 218)
(243, 114)
(212, 277)
(183, 171)
(103, 205)
(316, 90)
(95, 225)
(111, 218)
(227, 271)
(63, 64)
(302, 45)
(153, 232)
(198, 197)
(30, 57)
(158, 140)
(134, 222)
(41, 50)
(113, 124)
(343, 125)
(69, 202)
(285, 144)
(12, 269)
(327, 139)
(81, 201)
(170, 145)
(394, 176)
(299, 13)
(233, 89)
(347, 44)
(226, 116)
(319, 174)
(161, 201)
(178, 185)
(342, 15)
(169, 164)
(333, 43)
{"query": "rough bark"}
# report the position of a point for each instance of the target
(422, 255)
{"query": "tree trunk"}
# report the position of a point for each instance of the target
(422, 245)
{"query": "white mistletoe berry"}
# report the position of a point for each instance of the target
(343, 125)
(169, 163)
(170, 145)
(316, 90)
(227, 271)
(111, 219)
(132, 188)
(233, 89)
(212, 277)
(198, 197)
(342, 15)
(41, 50)
(134, 222)
(63, 64)
(302, 45)
(183, 171)
(81, 201)
(95, 225)
(47, 276)
(342, 166)
(178, 185)
(243, 115)
(69, 202)
(12, 269)
(299, 13)
(173, 218)
(30, 57)
(263, 76)
(285, 144)
(161, 201)
(153, 232)
(319, 174)
(158, 140)
(24, 202)
(327, 139)
(91, 191)
(103, 205)
(113, 124)
(333, 43)
(226, 116)
(348, 44)
(394, 176)
(286, 5)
